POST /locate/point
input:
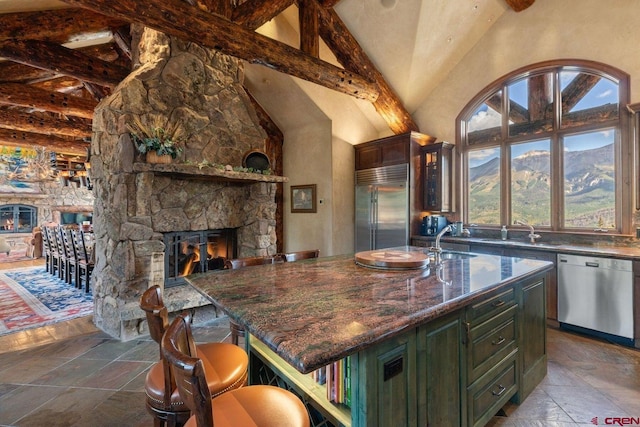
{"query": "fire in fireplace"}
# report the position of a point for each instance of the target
(189, 252)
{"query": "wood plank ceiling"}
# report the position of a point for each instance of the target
(48, 90)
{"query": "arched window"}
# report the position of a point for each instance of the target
(548, 144)
(17, 218)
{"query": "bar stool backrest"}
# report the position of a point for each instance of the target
(297, 256)
(247, 262)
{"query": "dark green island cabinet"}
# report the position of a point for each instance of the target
(457, 349)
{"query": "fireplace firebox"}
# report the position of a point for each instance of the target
(189, 252)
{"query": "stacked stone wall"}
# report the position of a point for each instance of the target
(200, 91)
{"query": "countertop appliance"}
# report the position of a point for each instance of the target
(382, 207)
(596, 294)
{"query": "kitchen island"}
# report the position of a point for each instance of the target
(444, 345)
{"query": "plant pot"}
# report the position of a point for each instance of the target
(153, 157)
(256, 159)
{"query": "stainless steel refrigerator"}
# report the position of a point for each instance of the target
(382, 207)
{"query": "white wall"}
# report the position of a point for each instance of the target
(307, 159)
(596, 30)
(343, 201)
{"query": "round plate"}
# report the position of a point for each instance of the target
(392, 259)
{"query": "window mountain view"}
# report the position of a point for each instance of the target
(589, 188)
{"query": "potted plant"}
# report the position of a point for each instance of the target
(158, 143)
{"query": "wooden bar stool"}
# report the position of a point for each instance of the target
(237, 330)
(258, 405)
(226, 366)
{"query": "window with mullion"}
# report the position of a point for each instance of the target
(557, 133)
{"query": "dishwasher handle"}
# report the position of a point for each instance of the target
(592, 264)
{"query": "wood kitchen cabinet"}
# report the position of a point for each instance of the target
(491, 355)
(436, 162)
(551, 278)
(393, 150)
(387, 384)
(441, 398)
(533, 350)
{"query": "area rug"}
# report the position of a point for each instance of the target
(14, 256)
(31, 297)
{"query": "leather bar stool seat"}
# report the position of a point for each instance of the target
(226, 366)
(256, 405)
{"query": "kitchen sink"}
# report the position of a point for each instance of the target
(456, 255)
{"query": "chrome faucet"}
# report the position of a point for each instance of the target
(532, 234)
(437, 249)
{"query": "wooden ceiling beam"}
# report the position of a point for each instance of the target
(16, 138)
(350, 54)
(30, 97)
(540, 98)
(60, 26)
(328, 3)
(519, 5)
(96, 91)
(174, 17)
(219, 7)
(15, 72)
(43, 123)
(309, 35)
(59, 59)
(254, 14)
(122, 39)
(64, 84)
(517, 113)
(577, 89)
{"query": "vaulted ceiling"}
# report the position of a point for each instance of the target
(378, 59)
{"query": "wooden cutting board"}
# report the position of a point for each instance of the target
(392, 259)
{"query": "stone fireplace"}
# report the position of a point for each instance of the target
(139, 204)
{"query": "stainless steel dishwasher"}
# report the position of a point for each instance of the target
(596, 294)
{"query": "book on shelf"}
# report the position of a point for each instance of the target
(337, 378)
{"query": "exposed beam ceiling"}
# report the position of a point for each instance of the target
(34, 43)
(176, 18)
(67, 58)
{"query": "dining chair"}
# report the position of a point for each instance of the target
(226, 366)
(84, 261)
(237, 330)
(70, 257)
(255, 405)
(46, 251)
(56, 259)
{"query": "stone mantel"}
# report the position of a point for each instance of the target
(207, 172)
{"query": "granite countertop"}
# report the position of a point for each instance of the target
(316, 311)
(601, 249)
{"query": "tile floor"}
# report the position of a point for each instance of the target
(71, 374)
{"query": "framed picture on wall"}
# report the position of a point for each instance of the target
(303, 198)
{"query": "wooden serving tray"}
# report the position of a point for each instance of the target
(392, 259)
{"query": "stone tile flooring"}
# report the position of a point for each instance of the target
(74, 375)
